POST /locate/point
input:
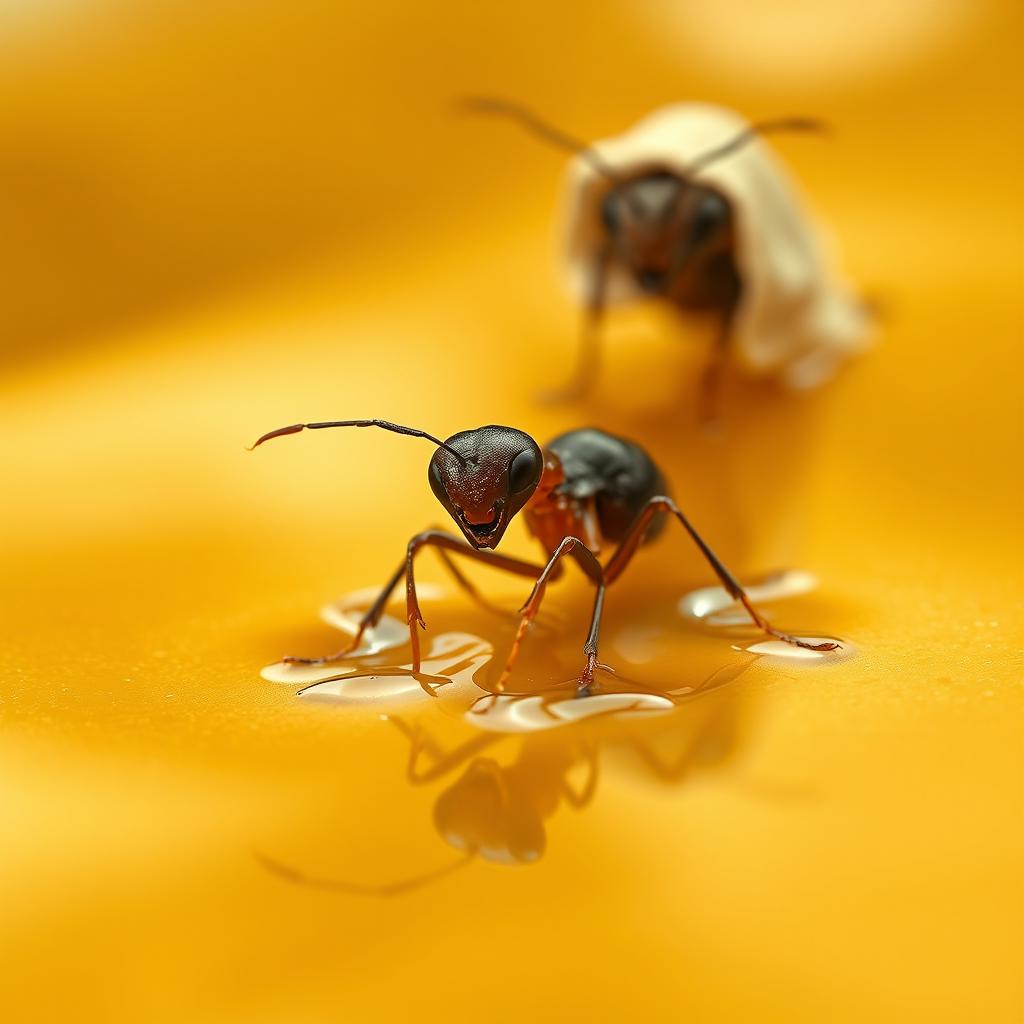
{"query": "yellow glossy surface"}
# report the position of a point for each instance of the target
(218, 224)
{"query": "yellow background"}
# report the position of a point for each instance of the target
(220, 218)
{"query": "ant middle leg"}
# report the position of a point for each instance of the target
(590, 647)
(634, 538)
(588, 562)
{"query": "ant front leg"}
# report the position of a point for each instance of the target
(625, 551)
(588, 562)
(368, 621)
(449, 542)
(376, 610)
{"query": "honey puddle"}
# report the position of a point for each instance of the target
(715, 607)
(456, 662)
(521, 713)
(503, 764)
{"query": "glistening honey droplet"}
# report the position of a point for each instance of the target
(538, 713)
(781, 649)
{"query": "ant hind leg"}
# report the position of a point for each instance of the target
(633, 539)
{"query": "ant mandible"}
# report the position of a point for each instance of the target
(586, 487)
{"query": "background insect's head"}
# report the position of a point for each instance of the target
(496, 473)
(660, 226)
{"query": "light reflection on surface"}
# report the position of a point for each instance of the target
(809, 41)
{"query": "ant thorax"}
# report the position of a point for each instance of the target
(552, 514)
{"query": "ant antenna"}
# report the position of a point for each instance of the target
(388, 889)
(753, 131)
(383, 424)
(541, 128)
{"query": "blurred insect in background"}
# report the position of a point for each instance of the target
(585, 489)
(690, 207)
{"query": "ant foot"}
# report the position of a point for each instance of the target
(327, 659)
(426, 685)
(586, 679)
(827, 645)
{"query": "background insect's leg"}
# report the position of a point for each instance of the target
(588, 562)
(588, 355)
(709, 398)
(625, 551)
(449, 542)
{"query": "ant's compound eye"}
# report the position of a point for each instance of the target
(710, 213)
(524, 471)
(436, 485)
(610, 212)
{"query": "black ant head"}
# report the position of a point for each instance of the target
(659, 226)
(483, 477)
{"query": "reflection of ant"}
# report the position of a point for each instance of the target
(497, 810)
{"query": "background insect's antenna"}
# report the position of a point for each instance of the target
(753, 131)
(388, 889)
(383, 424)
(541, 128)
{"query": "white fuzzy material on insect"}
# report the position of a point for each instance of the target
(798, 320)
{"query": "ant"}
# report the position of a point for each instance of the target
(587, 487)
(653, 212)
